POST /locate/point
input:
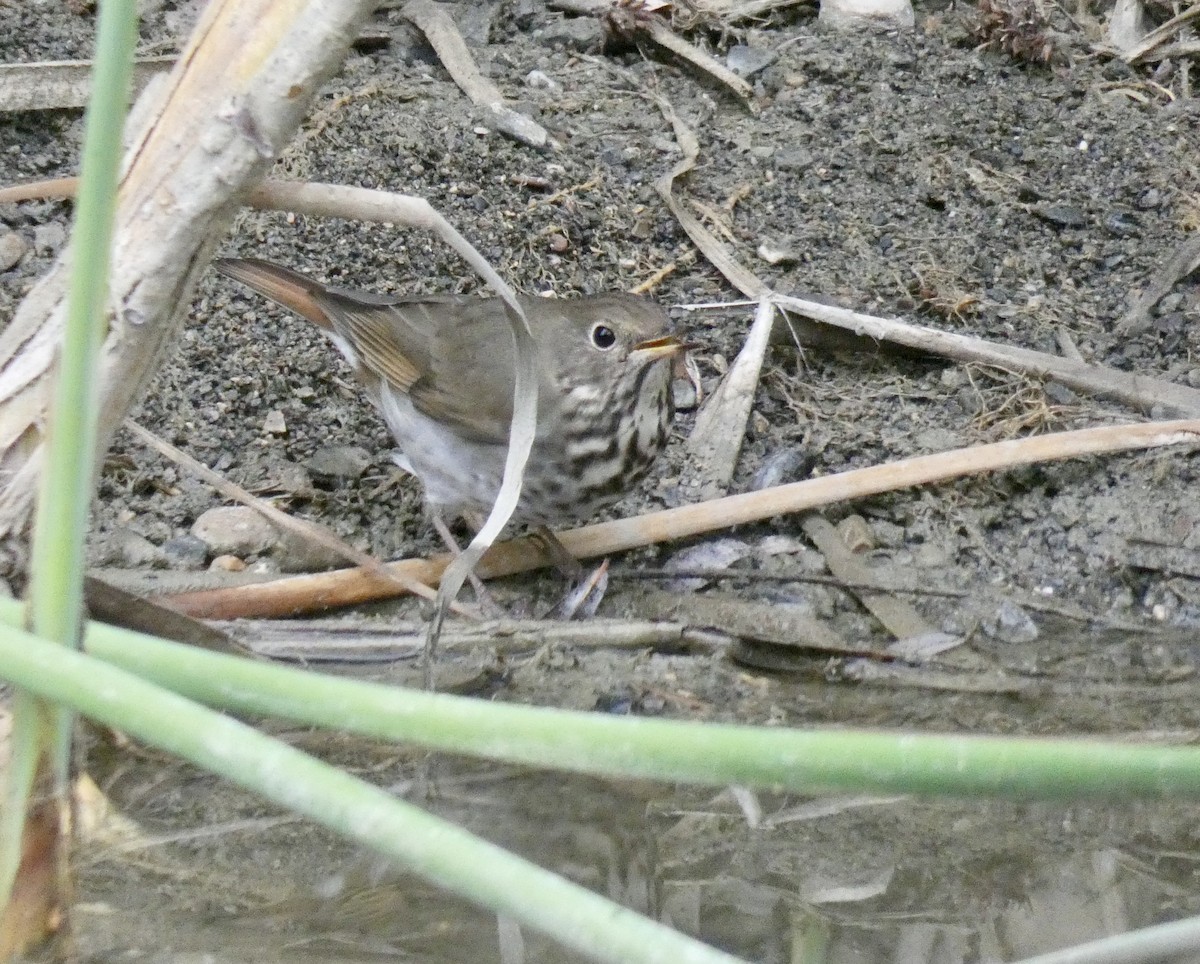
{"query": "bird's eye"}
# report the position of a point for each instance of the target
(603, 337)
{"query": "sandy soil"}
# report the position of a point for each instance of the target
(910, 175)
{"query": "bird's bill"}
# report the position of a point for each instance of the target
(667, 347)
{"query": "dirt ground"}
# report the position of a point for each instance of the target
(904, 174)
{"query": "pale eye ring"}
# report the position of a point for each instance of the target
(603, 337)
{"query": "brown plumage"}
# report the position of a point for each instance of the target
(440, 370)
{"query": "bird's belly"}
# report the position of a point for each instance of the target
(564, 480)
(459, 475)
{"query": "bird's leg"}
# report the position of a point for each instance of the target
(490, 607)
(584, 590)
(562, 560)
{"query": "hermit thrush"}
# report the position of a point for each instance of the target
(440, 370)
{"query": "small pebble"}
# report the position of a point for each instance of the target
(12, 250)
(715, 554)
(274, 423)
(683, 394)
(335, 464)
(786, 465)
(1061, 215)
(744, 60)
(773, 253)
(540, 80)
(49, 238)
(185, 552)
(133, 550)
(235, 530)
(577, 33)
(1009, 623)
(226, 563)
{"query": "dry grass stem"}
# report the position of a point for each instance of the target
(716, 438)
(432, 20)
(289, 597)
(62, 84)
(900, 618)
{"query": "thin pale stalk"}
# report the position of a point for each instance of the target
(438, 850)
(1176, 940)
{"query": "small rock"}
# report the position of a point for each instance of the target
(1061, 215)
(1121, 224)
(577, 33)
(226, 563)
(274, 423)
(684, 395)
(786, 465)
(12, 250)
(716, 554)
(1149, 199)
(49, 238)
(264, 567)
(1169, 303)
(952, 379)
(540, 80)
(777, 545)
(337, 464)
(773, 253)
(133, 550)
(185, 552)
(297, 554)
(235, 530)
(744, 60)
(1009, 623)
(937, 440)
(793, 159)
(1058, 394)
(294, 480)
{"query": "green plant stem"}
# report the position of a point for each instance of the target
(56, 570)
(41, 734)
(437, 850)
(803, 760)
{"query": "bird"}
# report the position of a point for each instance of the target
(441, 371)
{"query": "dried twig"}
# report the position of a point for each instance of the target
(358, 642)
(443, 36)
(716, 438)
(1138, 391)
(198, 138)
(658, 31)
(1183, 262)
(777, 624)
(286, 597)
(900, 618)
(1161, 34)
(58, 84)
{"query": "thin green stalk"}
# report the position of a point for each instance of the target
(436, 849)
(56, 570)
(664, 749)
(56, 567)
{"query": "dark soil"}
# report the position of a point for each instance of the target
(907, 174)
